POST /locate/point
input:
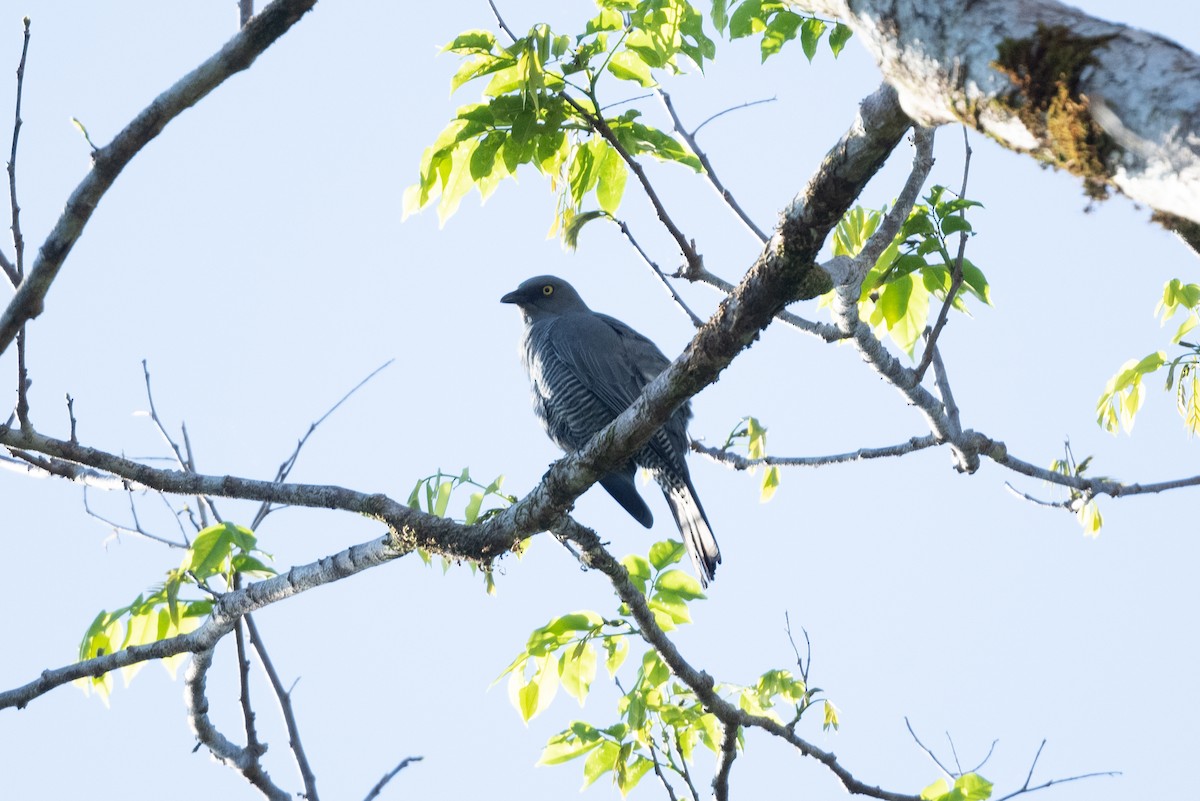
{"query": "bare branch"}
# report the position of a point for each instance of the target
(286, 468)
(658, 771)
(696, 321)
(739, 462)
(254, 748)
(244, 760)
(245, 12)
(500, 21)
(956, 272)
(18, 240)
(135, 530)
(285, 707)
(709, 171)
(108, 162)
(928, 751)
(183, 457)
(387, 777)
(1025, 788)
(730, 110)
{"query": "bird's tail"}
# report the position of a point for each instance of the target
(693, 525)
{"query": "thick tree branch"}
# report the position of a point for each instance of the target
(108, 162)
(1116, 106)
(226, 611)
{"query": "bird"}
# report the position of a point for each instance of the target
(585, 368)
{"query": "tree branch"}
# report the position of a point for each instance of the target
(226, 611)
(1130, 97)
(244, 760)
(285, 707)
(739, 462)
(387, 777)
(107, 162)
(709, 172)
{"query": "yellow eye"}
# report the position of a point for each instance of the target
(548, 290)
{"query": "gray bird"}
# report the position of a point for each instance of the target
(586, 368)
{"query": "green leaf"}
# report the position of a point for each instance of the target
(209, 550)
(570, 744)
(720, 15)
(444, 488)
(577, 670)
(666, 552)
(600, 761)
(831, 717)
(680, 583)
(573, 225)
(973, 787)
(617, 648)
(936, 790)
(780, 30)
(746, 19)
(471, 514)
(630, 66)
(770, 483)
(838, 38)
(610, 186)
(810, 36)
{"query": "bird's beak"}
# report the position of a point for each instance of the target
(511, 297)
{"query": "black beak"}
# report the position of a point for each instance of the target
(512, 297)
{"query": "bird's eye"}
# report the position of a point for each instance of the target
(548, 290)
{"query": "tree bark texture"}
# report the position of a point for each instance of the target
(1117, 106)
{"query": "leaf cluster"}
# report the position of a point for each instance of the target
(541, 102)
(1123, 397)
(218, 554)
(659, 720)
(916, 266)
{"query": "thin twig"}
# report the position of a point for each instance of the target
(956, 275)
(658, 771)
(930, 753)
(695, 318)
(739, 462)
(252, 743)
(954, 753)
(18, 274)
(71, 416)
(1025, 788)
(18, 240)
(500, 21)
(117, 528)
(596, 123)
(986, 758)
(802, 664)
(286, 468)
(719, 114)
(684, 772)
(183, 456)
(284, 696)
(709, 171)
(387, 777)
(245, 12)
(108, 162)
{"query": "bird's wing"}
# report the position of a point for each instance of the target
(608, 357)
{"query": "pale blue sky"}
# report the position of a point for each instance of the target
(254, 255)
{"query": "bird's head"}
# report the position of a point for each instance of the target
(545, 295)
